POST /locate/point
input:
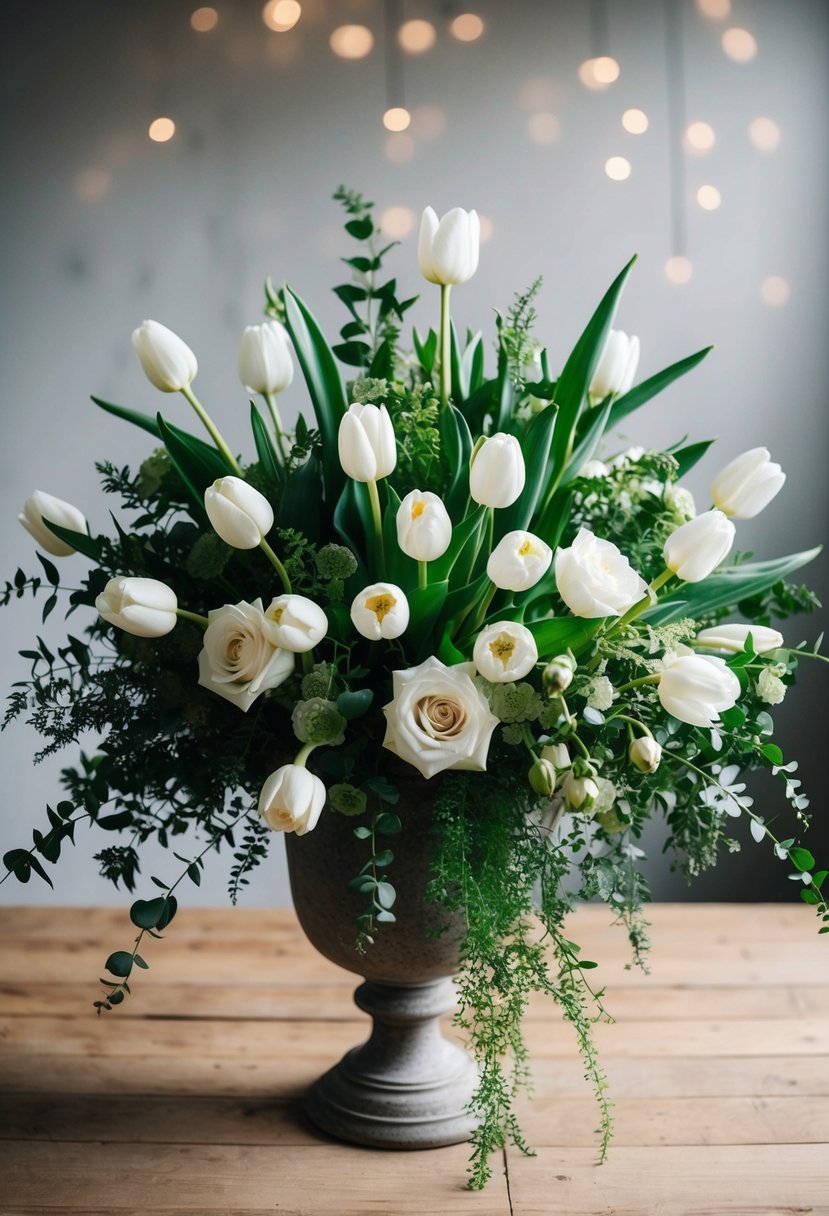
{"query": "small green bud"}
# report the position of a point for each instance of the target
(557, 676)
(542, 778)
(580, 793)
(336, 561)
(208, 557)
(321, 682)
(318, 721)
(645, 754)
(347, 799)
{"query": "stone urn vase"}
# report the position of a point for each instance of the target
(407, 1086)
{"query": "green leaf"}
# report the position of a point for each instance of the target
(354, 354)
(802, 859)
(688, 456)
(299, 506)
(383, 858)
(809, 896)
(456, 449)
(355, 703)
(89, 546)
(324, 385)
(120, 411)
(772, 753)
(726, 588)
(49, 569)
(361, 229)
(387, 823)
(362, 832)
(586, 448)
(116, 822)
(265, 450)
(353, 519)
(564, 633)
(649, 388)
(464, 532)
(386, 895)
(385, 917)
(363, 884)
(139, 962)
(426, 351)
(425, 604)
(197, 463)
(119, 963)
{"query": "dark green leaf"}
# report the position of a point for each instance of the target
(143, 420)
(361, 229)
(802, 859)
(353, 704)
(363, 884)
(265, 449)
(89, 546)
(649, 388)
(49, 569)
(387, 823)
(688, 456)
(119, 963)
(726, 588)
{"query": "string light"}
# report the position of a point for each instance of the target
(764, 133)
(716, 10)
(709, 198)
(635, 122)
(543, 128)
(396, 118)
(599, 73)
(700, 137)
(617, 168)
(467, 27)
(775, 291)
(204, 19)
(739, 45)
(161, 130)
(281, 15)
(351, 41)
(417, 36)
(678, 269)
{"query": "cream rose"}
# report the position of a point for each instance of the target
(438, 718)
(594, 579)
(239, 661)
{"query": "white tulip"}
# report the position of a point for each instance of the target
(239, 513)
(617, 366)
(594, 579)
(366, 443)
(168, 362)
(732, 637)
(295, 623)
(439, 718)
(505, 651)
(580, 793)
(57, 511)
(697, 688)
(698, 547)
(448, 249)
(497, 473)
(645, 754)
(292, 800)
(265, 363)
(519, 561)
(747, 484)
(424, 528)
(239, 660)
(557, 754)
(143, 606)
(594, 469)
(380, 611)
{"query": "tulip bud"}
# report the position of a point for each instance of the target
(58, 512)
(557, 676)
(142, 606)
(747, 484)
(497, 473)
(380, 611)
(557, 754)
(291, 800)
(542, 778)
(617, 366)
(519, 561)
(295, 623)
(504, 651)
(698, 547)
(448, 248)
(732, 637)
(579, 792)
(265, 364)
(239, 513)
(697, 688)
(366, 443)
(424, 528)
(168, 362)
(645, 753)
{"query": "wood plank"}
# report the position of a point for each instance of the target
(284, 1079)
(548, 1120)
(334, 1001)
(683, 1181)
(328, 1179)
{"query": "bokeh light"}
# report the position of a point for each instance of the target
(764, 133)
(700, 137)
(635, 122)
(775, 291)
(351, 41)
(92, 184)
(537, 93)
(204, 19)
(617, 168)
(599, 73)
(709, 198)
(396, 118)
(417, 36)
(467, 27)
(739, 45)
(397, 222)
(399, 148)
(678, 269)
(161, 130)
(716, 10)
(428, 122)
(487, 228)
(543, 128)
(281, 15)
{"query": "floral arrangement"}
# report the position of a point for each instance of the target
(438, 568)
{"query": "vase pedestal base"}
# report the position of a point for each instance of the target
(407, 1087)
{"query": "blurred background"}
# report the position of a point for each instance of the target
(159, 158)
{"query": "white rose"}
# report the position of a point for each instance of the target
(594, 579)
(697, 688)
(732, 637)
(380, 611)
(438, 718)
(505, 651)
(295, 623)
(239, 661)
(291, 800)
(519, 561)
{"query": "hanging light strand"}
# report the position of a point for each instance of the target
(396, 116)
(675, 66)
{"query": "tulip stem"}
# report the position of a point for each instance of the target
(277, 565)
(277, 424)
(212, 429)
(303, 754)
(445, 347)
(422, 574)
(651, 679)
(374, 499)
(480, 615)
(647, 601)
(195, 617)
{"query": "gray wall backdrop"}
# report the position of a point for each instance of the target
(100, 227)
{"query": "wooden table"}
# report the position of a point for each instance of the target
(186, 1098)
